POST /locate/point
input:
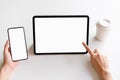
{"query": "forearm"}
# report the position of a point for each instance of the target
(5, 73)
(8, 65)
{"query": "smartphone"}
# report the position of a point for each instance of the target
(17, 41)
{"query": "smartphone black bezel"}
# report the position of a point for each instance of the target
(24, 40)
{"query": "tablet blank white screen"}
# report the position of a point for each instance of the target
(60, 34)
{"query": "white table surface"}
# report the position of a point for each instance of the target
(61, 67)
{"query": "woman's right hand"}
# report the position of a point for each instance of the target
(99, 63)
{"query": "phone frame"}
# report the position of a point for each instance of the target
(59, 16)
(24, 40)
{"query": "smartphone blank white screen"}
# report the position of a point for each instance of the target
(54, 35)
(17, 43)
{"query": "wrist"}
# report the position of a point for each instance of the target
(105, 75)
(6, 69)
(5, 73)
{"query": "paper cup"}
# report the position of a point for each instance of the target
(102, 29)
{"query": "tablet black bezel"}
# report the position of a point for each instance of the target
(58, 16)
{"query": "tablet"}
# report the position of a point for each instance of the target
(60, 34)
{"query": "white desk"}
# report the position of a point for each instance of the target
(61, 67)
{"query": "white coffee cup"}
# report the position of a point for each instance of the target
(102, 29)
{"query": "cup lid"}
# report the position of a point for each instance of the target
(104, 23)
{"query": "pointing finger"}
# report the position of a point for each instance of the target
(88, 49)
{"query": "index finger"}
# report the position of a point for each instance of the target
(88, 49)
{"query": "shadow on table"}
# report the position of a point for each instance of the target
(69, 58)
(92, 71)
(1, 63)
(82, 61)
(30, 50)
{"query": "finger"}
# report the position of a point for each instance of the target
(88, 49)
(9, 49)
(96, 51)
(6, 45)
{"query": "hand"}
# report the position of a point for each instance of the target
(8, 65)
(99, 63)
(7, 58)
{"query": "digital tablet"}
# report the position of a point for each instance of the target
(60, 34)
